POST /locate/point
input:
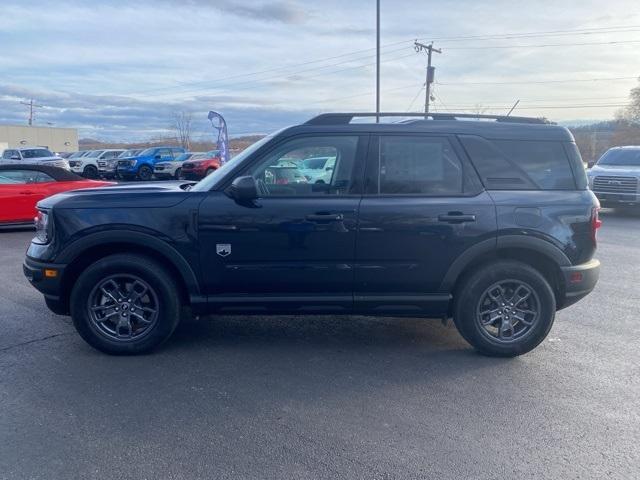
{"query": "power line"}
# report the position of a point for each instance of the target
(548, 33)
(278, 77)
(540, 81)
(415, 98)
(615, 42)
(584, 31)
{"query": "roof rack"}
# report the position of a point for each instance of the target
(346, 118)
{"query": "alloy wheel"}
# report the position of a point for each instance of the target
(508, 310)
(123, 307)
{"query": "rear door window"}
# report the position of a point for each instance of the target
(417, 165)
(520, 164)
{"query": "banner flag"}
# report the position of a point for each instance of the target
(218, 122)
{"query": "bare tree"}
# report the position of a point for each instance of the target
(633, 110)
(182, 128)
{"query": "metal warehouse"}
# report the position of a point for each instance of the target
(55, 139)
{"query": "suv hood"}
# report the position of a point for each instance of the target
(145, 195)
(630, 170)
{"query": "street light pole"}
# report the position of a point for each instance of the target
(378, 61)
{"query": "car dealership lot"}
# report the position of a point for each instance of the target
(324, 397)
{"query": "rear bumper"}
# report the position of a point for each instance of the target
(49, 286)
(579, 281)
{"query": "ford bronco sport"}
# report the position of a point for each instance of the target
(486, 220)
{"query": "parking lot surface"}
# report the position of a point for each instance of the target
(326, 397)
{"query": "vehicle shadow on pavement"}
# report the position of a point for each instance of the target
(402, 338)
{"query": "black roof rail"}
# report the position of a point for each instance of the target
(346, 118)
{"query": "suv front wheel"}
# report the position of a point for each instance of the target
(504, 309)
(125, 304)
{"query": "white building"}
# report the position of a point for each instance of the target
(55, 139)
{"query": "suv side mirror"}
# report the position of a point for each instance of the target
(591, 164)
(244, 189)
(157, 157)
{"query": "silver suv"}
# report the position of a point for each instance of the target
(615, 178)
(33, 155)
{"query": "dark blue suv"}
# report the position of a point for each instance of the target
(141, 166)
(488, 221)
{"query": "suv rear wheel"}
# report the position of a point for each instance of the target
(125, 304)
(504, 309)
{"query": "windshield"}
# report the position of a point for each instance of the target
(147, 153)
(207, 183)
(621, 156)
(95, 154)
(36, 153)
(128, 153)
(77, 154)
(315, 163)
(184, 156)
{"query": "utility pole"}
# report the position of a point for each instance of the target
(431, 71)
(378, 61)
(31, 106)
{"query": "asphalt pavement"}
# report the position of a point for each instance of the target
(326, 397)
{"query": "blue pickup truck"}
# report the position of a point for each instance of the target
(141, 166)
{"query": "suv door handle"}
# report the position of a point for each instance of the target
(325, 217)
(456, 217)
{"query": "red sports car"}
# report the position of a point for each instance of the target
(201, 164)
(22, 186)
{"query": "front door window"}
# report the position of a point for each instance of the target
(308, 166)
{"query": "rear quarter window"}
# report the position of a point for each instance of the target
(520, 164)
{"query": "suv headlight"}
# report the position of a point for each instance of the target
(42, 228)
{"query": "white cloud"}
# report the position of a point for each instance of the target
(87, 61)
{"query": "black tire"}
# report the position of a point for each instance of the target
(161, 288)
(178, 173)
(145, 173)
(209, 171)
(90, 172)
(473, 295)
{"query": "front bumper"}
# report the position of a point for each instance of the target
(608, 199)
(106, 168)
(194, 174)
(41, 276)
(579, 281)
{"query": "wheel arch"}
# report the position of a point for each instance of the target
(83, 252)
(539, 254)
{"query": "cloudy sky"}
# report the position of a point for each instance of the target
(119, 69)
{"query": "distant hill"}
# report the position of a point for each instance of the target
(236, 144)
(596, 138)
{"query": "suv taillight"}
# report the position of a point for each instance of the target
(596, 223)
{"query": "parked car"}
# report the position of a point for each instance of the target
(284, 175)
(490, 223)
(615, 178)
(201, 165)
(23, 186)
(78, 154)
(141, 166)
(89, 165)
(172, 169)
(107, 167)
(318, 169)
(33, 156)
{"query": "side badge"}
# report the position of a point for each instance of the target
(223, 249)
